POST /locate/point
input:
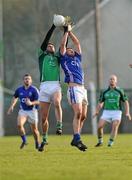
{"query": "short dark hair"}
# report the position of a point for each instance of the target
(69, 48)
(27, 74)
(49, 43)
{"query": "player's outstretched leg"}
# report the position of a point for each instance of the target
(58, 111)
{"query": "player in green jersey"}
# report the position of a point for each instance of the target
(50, 90)
(110, 100)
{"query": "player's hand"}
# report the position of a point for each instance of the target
(28, 102)
(130, 65)
(69, 27)
(128, 116)
(65, 28)
(10, 110)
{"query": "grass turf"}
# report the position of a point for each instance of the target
(60, 161)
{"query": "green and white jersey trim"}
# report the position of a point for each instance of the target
(113, 98)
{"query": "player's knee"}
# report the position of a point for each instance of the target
(44, 122)
(57, 104)
(36, 131)
(44, 118)
(79, 114)
(116, 124)
(19, 126)
(83, 117)
(100, 126)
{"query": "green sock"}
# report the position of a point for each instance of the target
(59, 125)
(45, 137)
(111, 141)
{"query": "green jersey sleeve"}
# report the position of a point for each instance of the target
(101, 98)
(123, 95)
(41, 52)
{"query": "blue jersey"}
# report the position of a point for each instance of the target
(22, 94)
(72, 68)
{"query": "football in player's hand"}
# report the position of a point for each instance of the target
(58, 20)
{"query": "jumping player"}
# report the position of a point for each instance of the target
(74, 77)
(50, 89)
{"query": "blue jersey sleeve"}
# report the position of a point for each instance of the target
(79, 56)
(16, 94)
(36, 94)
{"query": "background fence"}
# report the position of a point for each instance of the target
(10, 124)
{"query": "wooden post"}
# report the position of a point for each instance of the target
(98, 46)
(1, 71)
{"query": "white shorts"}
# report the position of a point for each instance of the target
(111, 115)
(48, 89)
(77, 94)
(32, 115)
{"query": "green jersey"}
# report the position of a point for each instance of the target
(112, 98)
(49, 66)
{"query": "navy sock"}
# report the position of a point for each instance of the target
(76, 137)
(23, 138)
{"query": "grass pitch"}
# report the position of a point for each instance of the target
(60, 161)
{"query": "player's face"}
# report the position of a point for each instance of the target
(70, 52)
(51, 48)
(27, 80)
(113, 81)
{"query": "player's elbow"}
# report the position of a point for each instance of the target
(62, 44)
(62, 50)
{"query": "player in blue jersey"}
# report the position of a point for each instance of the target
(28, 96)
(74, 77)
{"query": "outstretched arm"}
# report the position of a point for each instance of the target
(47, 38)
(13, 103)
(98, 108)
(76, 42)
(63, 43)
(127, 110)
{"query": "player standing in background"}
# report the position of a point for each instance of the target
(74, 77)
(50, 89)
(28, 96)
(110, 100)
